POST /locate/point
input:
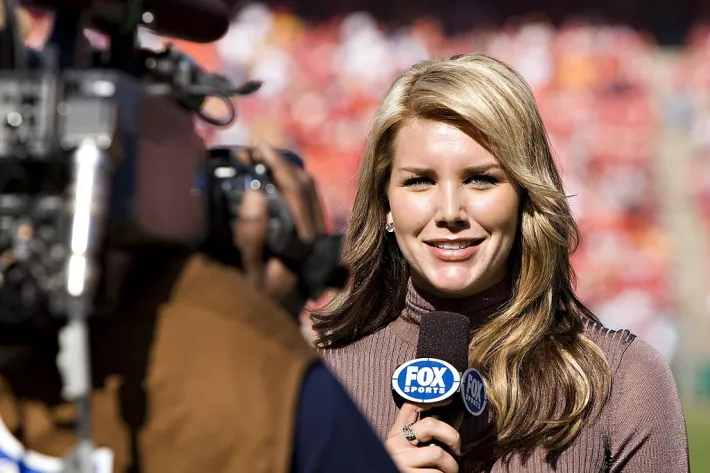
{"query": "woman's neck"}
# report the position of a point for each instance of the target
(478, 307)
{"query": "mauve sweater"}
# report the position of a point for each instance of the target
(641, 428)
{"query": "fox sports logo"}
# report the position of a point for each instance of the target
(426, 380)
(473, 392)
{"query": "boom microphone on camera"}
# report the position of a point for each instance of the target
(201, 21)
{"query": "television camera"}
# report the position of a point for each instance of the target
(76, 178)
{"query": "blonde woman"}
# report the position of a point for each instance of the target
(460, 207)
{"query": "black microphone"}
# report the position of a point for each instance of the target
(201, 21)
(434, 375)
(445, 336)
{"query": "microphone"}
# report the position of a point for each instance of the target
(435, 374)
(440, 371)
(444, 336)
(201, 21)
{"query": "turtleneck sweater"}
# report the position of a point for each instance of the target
(641, 426)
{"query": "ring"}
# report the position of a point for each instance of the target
(409, 433)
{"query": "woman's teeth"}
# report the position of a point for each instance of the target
(456, 245)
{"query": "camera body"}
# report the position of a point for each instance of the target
(55, 166)
(226, 179)
(121, 157)
(231, 179)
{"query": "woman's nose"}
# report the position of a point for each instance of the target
(450, 209)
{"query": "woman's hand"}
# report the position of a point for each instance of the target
(409, 457)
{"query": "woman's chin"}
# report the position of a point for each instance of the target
(450, 289)
(449, 284)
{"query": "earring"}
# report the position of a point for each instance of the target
(389, 228)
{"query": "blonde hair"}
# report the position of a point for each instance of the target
(543, 377)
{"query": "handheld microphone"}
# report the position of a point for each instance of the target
(445, 336)
(434, 375)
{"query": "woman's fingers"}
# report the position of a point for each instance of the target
(409, 455)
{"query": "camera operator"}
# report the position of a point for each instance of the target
(197, 364)
(254, 382)
(230, 383)
(330, 432)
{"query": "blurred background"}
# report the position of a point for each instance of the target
(623, 87)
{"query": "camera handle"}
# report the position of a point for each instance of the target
(92, 167)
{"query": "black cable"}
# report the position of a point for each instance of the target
(216, 121)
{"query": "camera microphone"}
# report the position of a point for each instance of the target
(200, 21)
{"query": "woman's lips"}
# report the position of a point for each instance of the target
(453, 250)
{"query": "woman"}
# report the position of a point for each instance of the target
(460, 207)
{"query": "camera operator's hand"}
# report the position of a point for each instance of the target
(271, 276)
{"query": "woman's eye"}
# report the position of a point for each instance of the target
(418, 181)
(482, 180)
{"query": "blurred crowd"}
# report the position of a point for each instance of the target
(322, 83)
(692, 84)
(593, 85)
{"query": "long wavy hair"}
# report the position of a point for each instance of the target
(544, 377)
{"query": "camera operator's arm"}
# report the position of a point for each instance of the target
(270, 275)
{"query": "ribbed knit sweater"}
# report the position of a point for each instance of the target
(641, 428)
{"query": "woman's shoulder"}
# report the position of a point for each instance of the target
(613, 343)
(627, 354)
(602, 335)
(647, 425)
(643, 364)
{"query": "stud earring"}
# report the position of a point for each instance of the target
(389, 228)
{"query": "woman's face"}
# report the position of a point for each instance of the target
(454, 209)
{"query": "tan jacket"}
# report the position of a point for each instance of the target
(222, 384)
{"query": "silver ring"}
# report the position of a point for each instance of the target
(409, 433)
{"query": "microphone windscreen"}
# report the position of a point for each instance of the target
(445, 335)
(201, 21)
